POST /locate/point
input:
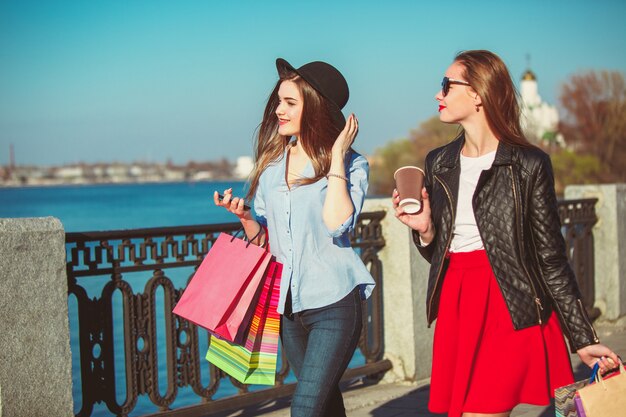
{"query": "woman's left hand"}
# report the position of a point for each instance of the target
(346, 137)
(605, 357)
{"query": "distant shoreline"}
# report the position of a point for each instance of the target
(121, 173)
(144, 182)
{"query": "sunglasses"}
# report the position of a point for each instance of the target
(445, 84)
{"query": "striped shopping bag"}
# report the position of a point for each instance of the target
(255, 361)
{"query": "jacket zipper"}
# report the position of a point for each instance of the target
(584, 313)
(538, 305)
(432, 296)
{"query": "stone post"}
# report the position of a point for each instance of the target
(35, 359)
(609, 236)
(408, 340)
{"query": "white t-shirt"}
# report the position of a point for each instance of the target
(466, 237)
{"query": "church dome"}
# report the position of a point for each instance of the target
(529, 76)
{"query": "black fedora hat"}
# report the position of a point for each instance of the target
(326, 80)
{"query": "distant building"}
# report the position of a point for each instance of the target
(540, 120)
(69, 173)
(244, 167)
(202, 176)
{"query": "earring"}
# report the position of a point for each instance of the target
(477, 109)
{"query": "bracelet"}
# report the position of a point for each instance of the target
(337, 176)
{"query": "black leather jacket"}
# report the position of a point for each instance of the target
(516, 212)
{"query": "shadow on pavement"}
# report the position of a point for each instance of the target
(258, 409)
(414, 404)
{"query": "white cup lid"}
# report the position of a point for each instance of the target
(410, 205)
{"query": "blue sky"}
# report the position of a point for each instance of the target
(101, 81)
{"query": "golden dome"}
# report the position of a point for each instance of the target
(529, 76)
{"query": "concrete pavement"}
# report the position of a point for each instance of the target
(411, 399)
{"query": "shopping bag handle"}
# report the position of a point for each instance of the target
(594, 372)
(248, 239)
(600, 379)
(596, 368)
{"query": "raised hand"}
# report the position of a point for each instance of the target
(346, 137)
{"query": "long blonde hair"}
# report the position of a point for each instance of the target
(317, 133)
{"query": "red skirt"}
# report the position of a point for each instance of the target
(480, 363)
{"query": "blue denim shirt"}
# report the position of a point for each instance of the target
(319, 264)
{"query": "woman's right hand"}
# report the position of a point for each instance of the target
(233, 204)
(421, 221)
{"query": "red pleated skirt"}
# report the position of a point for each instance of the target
(480, 363)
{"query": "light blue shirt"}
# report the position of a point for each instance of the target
(319, 264)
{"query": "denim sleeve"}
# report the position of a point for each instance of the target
(259, 207)
(358, 173)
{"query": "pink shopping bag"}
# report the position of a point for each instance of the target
(220, 296)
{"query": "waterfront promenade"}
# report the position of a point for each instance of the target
(40, 264)
(410, 399)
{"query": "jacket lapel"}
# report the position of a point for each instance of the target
(448, 168)
(503, 157)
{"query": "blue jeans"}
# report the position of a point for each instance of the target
(319, 344)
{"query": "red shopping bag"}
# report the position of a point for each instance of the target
(220, 296)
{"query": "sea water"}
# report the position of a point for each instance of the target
(83, 208)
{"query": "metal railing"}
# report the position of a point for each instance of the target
(577, 219)
(124, 285)
(162, 354)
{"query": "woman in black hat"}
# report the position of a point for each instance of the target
(308, 187)
(500, 285)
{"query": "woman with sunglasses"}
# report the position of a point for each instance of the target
(308, 187)
(500, 285)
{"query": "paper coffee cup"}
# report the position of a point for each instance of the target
(409, 183)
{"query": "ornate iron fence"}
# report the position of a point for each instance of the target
(123, 286)
(114, 278)
(577, 219)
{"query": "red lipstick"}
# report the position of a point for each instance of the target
(441, 107)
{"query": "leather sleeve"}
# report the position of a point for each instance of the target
(427, 251)
(552, 259)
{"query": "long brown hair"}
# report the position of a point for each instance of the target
(489, 77)
(317, 133)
